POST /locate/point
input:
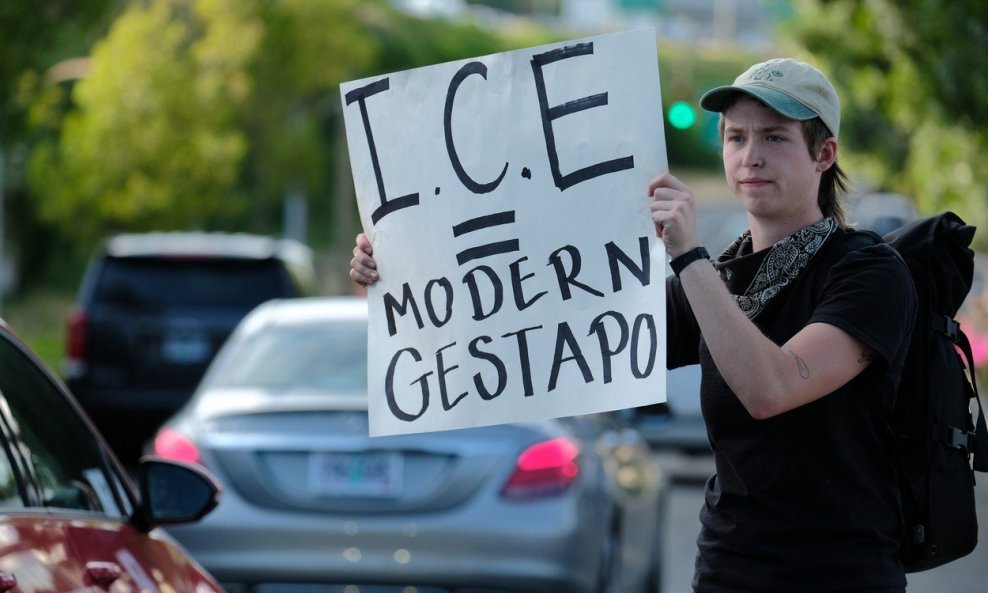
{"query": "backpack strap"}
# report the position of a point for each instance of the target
(974, 442)
(855, 239)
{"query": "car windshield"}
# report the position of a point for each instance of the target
(326, 356)
(153, 282)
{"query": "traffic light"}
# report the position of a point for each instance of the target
(681, 115)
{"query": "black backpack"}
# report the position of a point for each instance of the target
(939, 443)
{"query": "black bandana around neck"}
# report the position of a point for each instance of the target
(783, 264)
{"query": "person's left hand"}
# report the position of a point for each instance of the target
(363, 268)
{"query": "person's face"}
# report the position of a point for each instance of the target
(768, 165)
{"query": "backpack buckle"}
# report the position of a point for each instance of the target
(958, 439)
(947, 326)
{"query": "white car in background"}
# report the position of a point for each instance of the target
(313, 504)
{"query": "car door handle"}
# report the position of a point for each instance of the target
(102, 574)
(7, 581)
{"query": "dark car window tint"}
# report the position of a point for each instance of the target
(157, 282)
(329, 356)
(10, 496)
(67, 459)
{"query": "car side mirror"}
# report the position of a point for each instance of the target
(174, 492)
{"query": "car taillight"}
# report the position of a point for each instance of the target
(174, 445)
(543, 469)
(75, 337)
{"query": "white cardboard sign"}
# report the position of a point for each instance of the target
(505, 197)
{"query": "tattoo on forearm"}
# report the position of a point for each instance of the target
(867, 356)
(804, 371)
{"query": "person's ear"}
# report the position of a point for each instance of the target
(827, 155)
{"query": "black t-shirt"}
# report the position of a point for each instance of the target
(805, 501)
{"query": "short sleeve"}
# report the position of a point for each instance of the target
(870, 295)
(682, 330)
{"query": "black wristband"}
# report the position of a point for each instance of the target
(679, 262)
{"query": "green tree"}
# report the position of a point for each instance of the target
(34, 40)
(913, 77)
(197, 113)
(206, 113)
(309, 48)
(152, 142)
(40, 46)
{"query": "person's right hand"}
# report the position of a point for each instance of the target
(363, 268)
(674, 214)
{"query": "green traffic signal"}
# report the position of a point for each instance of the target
(681, 115)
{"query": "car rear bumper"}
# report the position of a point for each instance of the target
(521, 547)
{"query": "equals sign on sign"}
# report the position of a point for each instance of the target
(484, 222)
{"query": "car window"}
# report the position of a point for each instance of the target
(326, 357)
(156, 282)
(10, 495)
(69, 464)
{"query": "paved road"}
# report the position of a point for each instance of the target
(967, 575)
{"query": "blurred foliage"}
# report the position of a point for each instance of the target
(39, 320)
(523, 6)
(157, 114)
(208, 113)
(686, 72)
(913, 78)
(197, 114)
(36, 37)
(39, 45)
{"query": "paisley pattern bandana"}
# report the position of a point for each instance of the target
(783, 264)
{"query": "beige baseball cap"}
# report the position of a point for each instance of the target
(793, 88)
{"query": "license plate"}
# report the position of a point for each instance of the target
(373, 474)
(185, 348)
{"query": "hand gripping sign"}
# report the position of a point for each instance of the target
(505, 197)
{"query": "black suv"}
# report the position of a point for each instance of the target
(152, 311)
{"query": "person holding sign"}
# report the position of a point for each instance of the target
(801, 332)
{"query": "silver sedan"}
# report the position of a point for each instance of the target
(312, 504)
